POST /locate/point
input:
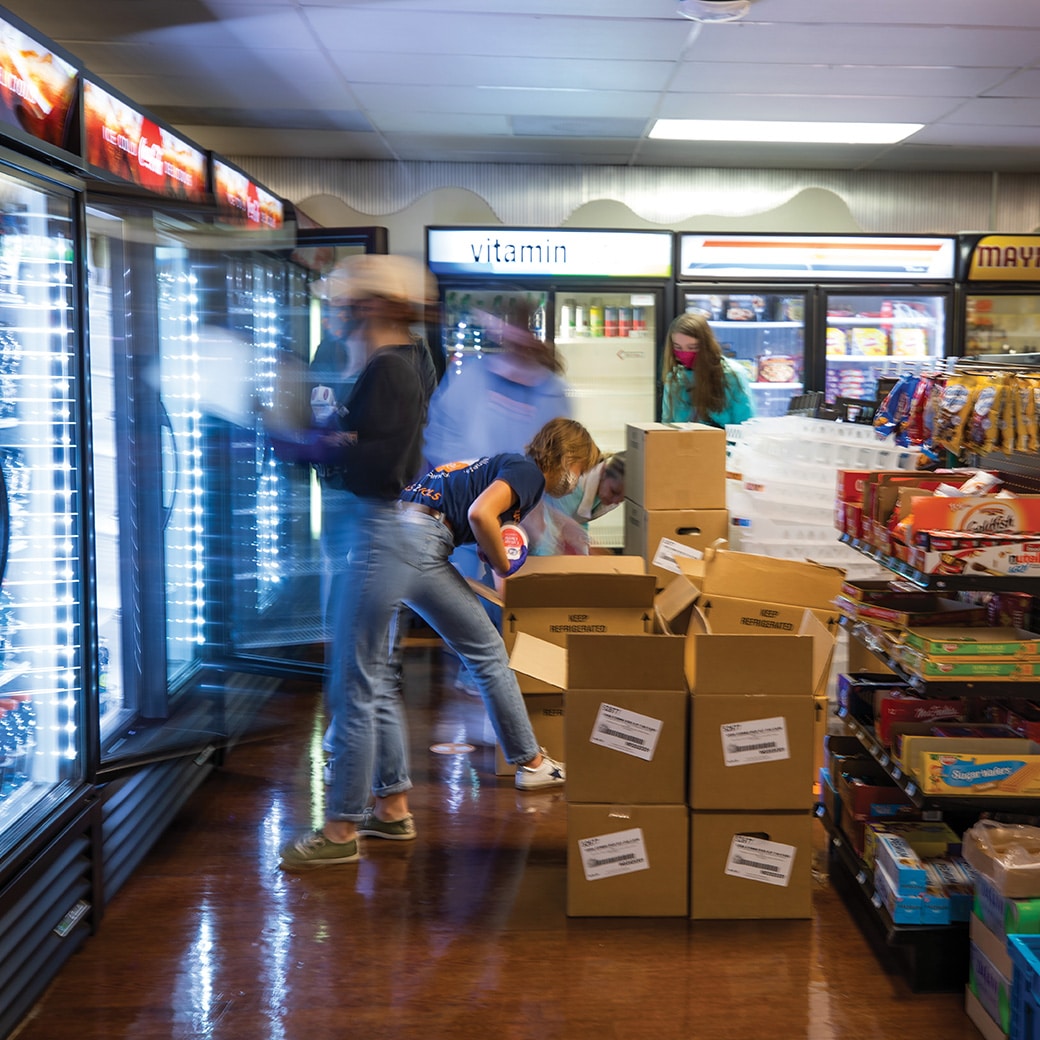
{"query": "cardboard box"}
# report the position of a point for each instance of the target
(747, 576)
(627, 860)
(675, 466)
(697, 529)
(752, 751)
(1007, 774)
(911, 748)
(987, 982)
(545, 710)
(552, 597)
(988, 1029)
(750, 865)
(625, 714)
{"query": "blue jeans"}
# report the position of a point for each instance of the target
(366, 735)
(420, 575)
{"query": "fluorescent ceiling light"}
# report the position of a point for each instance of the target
(751, 130)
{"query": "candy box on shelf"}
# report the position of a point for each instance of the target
(858, 692)
(1021, 559)
(973, 642)
(877, 603)
(893, 706)
(930, 839)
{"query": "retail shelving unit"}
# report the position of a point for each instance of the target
(931, 957)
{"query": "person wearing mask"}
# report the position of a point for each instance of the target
(560, 526)
(700, 384)
(455, 504)
(367, 450)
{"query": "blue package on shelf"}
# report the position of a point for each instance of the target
(1025, 987)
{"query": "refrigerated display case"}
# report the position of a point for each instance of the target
(830, 313)
(999, 281)
(598, 298)
(49, 824)
(272, 620)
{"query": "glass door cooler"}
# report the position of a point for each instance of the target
(999, 279)
(599, 299)
(828, 313)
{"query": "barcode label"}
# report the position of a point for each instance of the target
(757, 859)
(608, 855)
(757, 740)
(625, 731)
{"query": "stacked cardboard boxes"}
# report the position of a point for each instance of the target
(675, 487)
(756, 662)
(626, 749)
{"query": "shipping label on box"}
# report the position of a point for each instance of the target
(627, 732)
(608, 855)
(756, 859)
(757, 740)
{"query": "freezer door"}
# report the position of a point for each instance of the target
(764, 332)
(42, 719)
(606, 340)
(879, 334)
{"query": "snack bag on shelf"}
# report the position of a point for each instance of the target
(980, 433)
(1009, 410)
(1026, 413)
(893, 412)
(916, 420)
(955, 407)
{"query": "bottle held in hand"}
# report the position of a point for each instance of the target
(515, 540)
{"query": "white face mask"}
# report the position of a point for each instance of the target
(564, 486)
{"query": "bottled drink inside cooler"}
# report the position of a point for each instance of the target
(764, 333)
(40, 585)
(1001, 323)
(875, 336)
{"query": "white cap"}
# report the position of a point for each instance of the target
(398, 278)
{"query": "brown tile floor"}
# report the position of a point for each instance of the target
(459, 935)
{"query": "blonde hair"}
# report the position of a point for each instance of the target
(561, 444)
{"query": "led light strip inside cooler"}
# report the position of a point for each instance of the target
(180, 375)
(40, 629)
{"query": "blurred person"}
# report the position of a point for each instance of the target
(454, 504)
(495, 403)
(560, 526)
(367, 450)
(700, 383)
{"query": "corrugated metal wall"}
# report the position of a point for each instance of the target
(676, 198)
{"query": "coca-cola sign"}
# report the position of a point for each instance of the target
(123, 143)
(243, 200)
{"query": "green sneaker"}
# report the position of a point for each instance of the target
(396, 830)
(313, 849)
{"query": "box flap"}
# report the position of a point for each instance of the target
(602, 581)
(539, 659)
(675, 598)
(740, 575)
(725, 664)
(605, 662)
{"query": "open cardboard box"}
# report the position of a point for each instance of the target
(625, 713)
(552, 597)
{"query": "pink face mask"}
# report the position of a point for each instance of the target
(686, 358)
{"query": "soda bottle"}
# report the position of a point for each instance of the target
(610, 320)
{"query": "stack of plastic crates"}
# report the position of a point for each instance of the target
(1025, 987)
(781, 491)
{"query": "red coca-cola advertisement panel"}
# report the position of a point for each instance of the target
(123, 143)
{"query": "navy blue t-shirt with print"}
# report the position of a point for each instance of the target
(452, 488)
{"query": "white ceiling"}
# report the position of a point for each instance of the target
(568, 81)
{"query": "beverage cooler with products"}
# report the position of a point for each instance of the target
(829, 313)
(599, 299)
(999, 279)
(49, 819)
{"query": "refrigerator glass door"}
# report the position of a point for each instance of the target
(41, 633)
(764, 332)
(1001, 323)
(607, 342)
(880, 334)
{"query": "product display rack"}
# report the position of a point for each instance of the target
(931, 957)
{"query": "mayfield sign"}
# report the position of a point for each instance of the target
(122, 142)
